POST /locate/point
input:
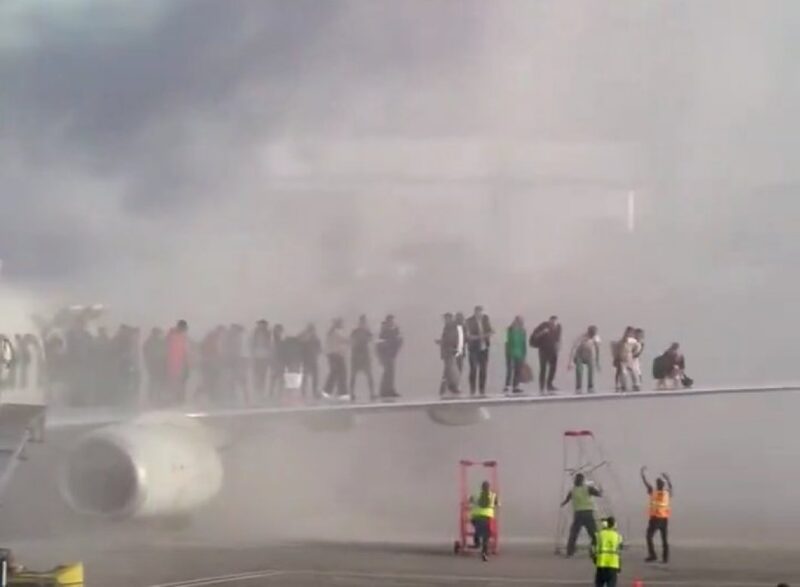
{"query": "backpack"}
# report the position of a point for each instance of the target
(537, 336)
(659, 367)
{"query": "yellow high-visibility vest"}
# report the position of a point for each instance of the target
(609, 542)
(582, 499)
(487, 512)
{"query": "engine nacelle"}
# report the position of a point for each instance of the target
(458, 414)
(162, 465)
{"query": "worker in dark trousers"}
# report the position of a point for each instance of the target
(482, 517)
(605, 552)
(581, 496)
(660, 511)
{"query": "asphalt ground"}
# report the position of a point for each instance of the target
(176, 563)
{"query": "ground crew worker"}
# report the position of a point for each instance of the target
(659, 514)
(583, 511)
(606, 556)
(482, 517)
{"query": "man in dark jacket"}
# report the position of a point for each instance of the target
(479, 332)
(547, 339)
(669, 369)
(389, 343)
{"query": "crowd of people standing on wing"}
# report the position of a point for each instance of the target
(87, 367)
(228, 366)
(236, 367)
(471, 338)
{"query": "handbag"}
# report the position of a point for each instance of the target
(525, 373)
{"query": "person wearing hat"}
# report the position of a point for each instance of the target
(606, 554)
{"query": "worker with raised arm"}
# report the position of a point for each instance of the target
(482, 517)
(660, 511)
(606, 554)
(582, 498)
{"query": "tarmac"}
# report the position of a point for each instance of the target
(173, 564)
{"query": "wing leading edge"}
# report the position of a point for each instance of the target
(481, 402)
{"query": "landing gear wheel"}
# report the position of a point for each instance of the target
(456, 547)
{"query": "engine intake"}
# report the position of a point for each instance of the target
(155, 467)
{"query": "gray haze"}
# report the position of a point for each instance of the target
(224, 160)
(227, 160)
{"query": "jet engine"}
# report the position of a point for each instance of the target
(161, 466)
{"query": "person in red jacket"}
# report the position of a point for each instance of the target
(178, 361)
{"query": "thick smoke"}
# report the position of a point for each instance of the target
(247, 149)
(300, 159)
(227, 160)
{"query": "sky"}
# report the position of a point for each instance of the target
(225, 161)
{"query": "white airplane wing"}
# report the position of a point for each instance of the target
(22, 423)
(438, 408)
(435, 408)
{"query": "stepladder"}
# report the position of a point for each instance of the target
(583, 454)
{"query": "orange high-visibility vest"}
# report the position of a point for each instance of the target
(659, 504)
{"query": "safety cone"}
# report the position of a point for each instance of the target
(638, 583)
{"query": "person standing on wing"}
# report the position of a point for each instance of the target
(585, 354)
(479, 333)
(547, 339)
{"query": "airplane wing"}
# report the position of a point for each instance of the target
(19, 424)
(450, 411)
(456, 404)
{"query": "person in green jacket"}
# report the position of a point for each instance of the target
(516, 350)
